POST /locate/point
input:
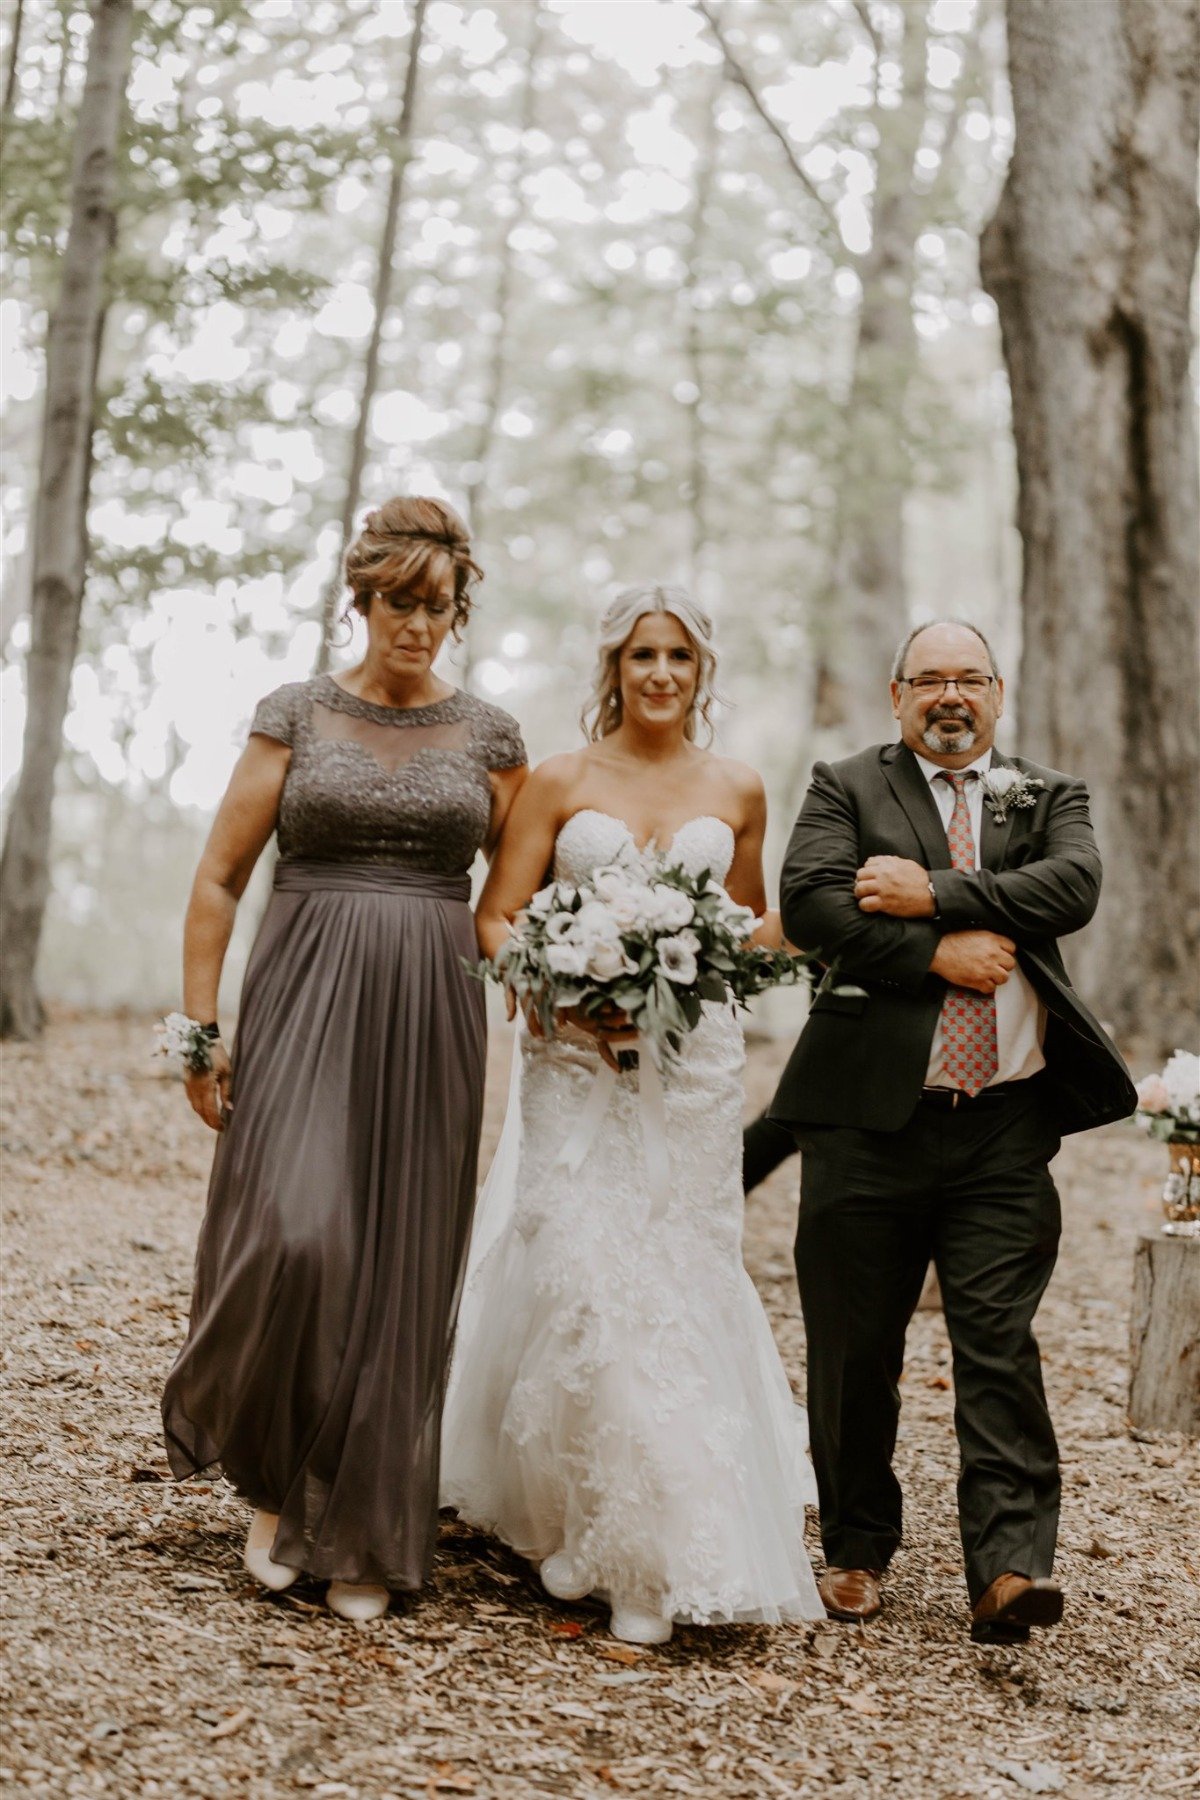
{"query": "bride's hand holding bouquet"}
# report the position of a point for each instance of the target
(633, 954)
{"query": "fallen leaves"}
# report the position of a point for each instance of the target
(621, 1653)
(232, 1724)
(771, 1683)
(141, 1638)
(863, 1704)
(1035, 1777)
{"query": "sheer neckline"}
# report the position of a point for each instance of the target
(597, 812)
(331, 692)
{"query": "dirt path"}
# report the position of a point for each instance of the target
(144, 1662)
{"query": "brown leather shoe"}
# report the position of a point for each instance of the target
(1006, 1610)
(851, 1594)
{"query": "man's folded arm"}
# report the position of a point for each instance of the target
(1048, 898)
(817, 897)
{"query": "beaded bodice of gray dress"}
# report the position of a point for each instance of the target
(331, 1253)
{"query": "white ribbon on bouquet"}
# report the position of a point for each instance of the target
(652, 1111)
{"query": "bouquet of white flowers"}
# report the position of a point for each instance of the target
(186, 1044)
(1169, 1103)
(642, 938)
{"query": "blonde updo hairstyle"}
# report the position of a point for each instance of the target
(409, 541)
(605, 709)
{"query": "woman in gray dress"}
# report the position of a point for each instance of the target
(331, 1254)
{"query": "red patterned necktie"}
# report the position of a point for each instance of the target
(969, 1055)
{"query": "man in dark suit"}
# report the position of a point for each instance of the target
(942, 1061)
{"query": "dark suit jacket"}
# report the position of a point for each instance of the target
(861, 1059)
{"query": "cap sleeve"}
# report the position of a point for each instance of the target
(502, 744)
(275, 715)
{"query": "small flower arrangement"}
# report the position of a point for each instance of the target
(1169, 1103)
(185, 1043)
(1004, 788)
(644, 938)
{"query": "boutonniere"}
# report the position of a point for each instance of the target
(1003, 788)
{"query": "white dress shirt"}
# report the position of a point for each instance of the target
(1020, 1015)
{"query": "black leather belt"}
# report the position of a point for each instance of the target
(948, 1098)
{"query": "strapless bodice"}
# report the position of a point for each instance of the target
(591, 839)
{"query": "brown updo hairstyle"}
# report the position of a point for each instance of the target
(407, 541)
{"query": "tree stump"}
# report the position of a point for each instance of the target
(1164, 1359)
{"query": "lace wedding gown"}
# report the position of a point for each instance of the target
(615, 1391)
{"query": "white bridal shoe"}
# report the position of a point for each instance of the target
(563, 1578)
(357, 1601)
(257, 1554)
(639, 1625)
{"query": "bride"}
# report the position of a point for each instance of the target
(617, 1409)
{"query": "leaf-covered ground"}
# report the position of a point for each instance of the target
(143, 1661)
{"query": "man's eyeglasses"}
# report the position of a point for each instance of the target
(929, 686)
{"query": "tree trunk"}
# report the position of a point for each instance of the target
(1090, 259)
(401, 151)
(493, 396)
(1164, 1350)
(867, 608)
(696, 481)
(14, 58)
(60, 512)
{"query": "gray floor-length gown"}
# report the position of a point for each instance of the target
(331, 1254)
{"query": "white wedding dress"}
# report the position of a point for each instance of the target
(616, 1393)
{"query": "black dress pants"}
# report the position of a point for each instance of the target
(969, 1188)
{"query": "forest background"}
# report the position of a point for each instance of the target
(651, 291)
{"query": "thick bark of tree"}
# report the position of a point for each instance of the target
(696, 480)
(14, 57)
(60, 514)
(401, 150)
(1090, 258)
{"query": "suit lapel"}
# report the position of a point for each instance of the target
(908, 783)
(994, 848)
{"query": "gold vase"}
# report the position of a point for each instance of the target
(1181, 1190)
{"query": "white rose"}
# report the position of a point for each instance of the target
(595, 924)
(631, 908)
(561, 927)
(676, 961)
(740, 920)
(539, 906)
(608, 960)
(689, 940)
(670, 908)
(567, 959)
(625, 897)
(999, 781)
(1181, 1078)
(609, 880)
(1154, 1096)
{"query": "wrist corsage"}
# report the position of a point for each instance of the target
(1004, 788)
(186, 1043)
